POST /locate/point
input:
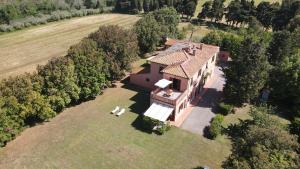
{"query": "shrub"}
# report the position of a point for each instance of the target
(6, 28)
(18, 25)
(224, 108)
(216, 126)
(40, 18)
(164, 128)
(77, 13)
(150, 123)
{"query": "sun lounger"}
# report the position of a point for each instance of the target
(115, 110)
(121, 112)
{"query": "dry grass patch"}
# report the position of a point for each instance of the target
(22, 51)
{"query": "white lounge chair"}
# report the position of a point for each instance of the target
(115, 110)
(121, 112)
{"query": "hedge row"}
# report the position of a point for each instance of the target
(82, 74)
(45, 18)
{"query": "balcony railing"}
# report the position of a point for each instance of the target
(173, 98)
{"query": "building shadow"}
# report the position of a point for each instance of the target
(140, 104)
(142, 98)
(211, 99)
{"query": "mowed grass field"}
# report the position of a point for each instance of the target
(88, 136)
(22, 51)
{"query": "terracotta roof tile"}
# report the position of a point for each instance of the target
(170, 58)
(176, 70)
(183, 64)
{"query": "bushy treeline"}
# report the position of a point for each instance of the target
(241, 12)
(184, 7)
(262, 143)
(17, 14)
(88, 68)
(263, 64)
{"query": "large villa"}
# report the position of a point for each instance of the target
(176, 76)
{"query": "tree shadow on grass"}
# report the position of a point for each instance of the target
(238, 130)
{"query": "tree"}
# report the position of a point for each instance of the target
(88, 61)
(206, 10)
(233, 14)
(213, 38)
(119, 50)
(263, 144)
(26, 90)
(265, 12)
(295, 126)
(247, 73)
(294, 23)
(77, 4)
(9, 12)
(285, 83)
(148, 33)
(10, 121)
(59, 82)
(288, 10)
(168, 20)
(280, 46)
(189, 8)
(217, 9)
(254, 24)
(247, 10)
(227, 41)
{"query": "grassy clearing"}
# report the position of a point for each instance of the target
(88, 136)
(22, 51)
(242, 114)
(199, 31)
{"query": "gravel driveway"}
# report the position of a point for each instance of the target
(202, 114)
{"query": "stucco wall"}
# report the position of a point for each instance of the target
(147, 80)
(141, 80)
(183, 81)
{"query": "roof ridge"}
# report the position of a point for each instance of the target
(184, 71)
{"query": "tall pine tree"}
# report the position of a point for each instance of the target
(247, 73)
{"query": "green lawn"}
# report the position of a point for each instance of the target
(88, 136)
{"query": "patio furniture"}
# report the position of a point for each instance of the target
(157, 127)
(121, 112)
(115, 110)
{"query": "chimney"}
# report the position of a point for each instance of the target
(201, 45)
(194, 52)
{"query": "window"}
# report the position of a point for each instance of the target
(160, 69)
(213, 58)
(176, 84)
(199, 73)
